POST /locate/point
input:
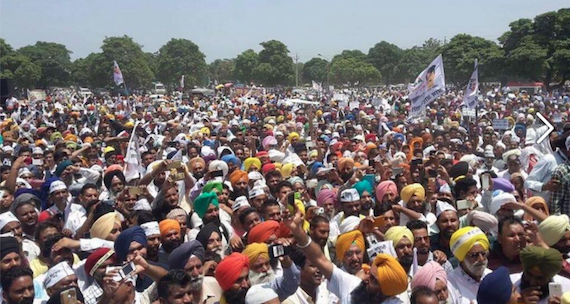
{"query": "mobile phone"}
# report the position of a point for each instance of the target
(431, 184)
(174, 165)
(127, 270)
(291, 199)
(37, 162)
(218, 173)
(463, 204)
(278, 250)
(485, 183)
(432, 173)
(397, 170)
(134, 191)
(109, 202)
(372, 163)
(554, 289)
(417, 161)
(68, 296)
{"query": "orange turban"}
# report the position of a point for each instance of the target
(195, 160)
(533, 201)
(237, 175)
(392, 277)
(412, 142)
(345, 240)
(262, 232)
(344, 162)
(230, 269)
(166, 225)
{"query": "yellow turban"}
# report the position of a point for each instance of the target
(205, 131)
(392, 277)
(396, 233)
(345, 162)
(268, 126)
(411, 190)
(553, 228)
(194, 161)
(251, 161)
(255, 250)
(70, 137)
(463, 240)
(286, 170)
(293, 135)
(129, 124)
(346, 240)
(102, 226)
(314, 153)
(278, 166)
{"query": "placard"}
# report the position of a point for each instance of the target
(386, 247)
(500, 124)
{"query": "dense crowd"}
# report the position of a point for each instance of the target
(272, 199)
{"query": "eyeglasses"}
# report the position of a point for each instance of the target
(476, 255)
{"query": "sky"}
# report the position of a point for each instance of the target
(225, 28)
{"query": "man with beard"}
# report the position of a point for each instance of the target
(175, 288)
(350, 250)
(190, 258)
(555, 231)
(169, 237)
(541, 266)
(319, 231)
(273, 178)
(211, 239)
(412, 206)
(206, 206)
(152, 232)
(24, 208)
(350, 206)
(345, 166)
(10, 224)
(260, 270)
(403, 241)
(18, 286)
(471, 247)
(95, 267)
(311, 289)
(387, 192)
(510, 241)
(421, 241)
(232, 274)
(82, 212)
(447, 223)
(239, 180)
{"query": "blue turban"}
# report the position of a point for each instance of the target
(180, 256)
(315, 167)
(230, 158)
(520, 127)
(123, 242)
(61, 167)
(362, 186)
(326, 139)
(495, 288)
(399, 136)
(503, 184)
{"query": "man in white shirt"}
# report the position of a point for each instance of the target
(312, 290)
(471, 247)
(77, 211)
(538, 180)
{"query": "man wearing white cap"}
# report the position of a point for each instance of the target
(512, 159)
(257, 196)
(152, 232)
(261, 294)
(10, 225)
(58, 277)
(350, 205)
(58, 197)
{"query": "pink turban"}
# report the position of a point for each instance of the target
(325, 195)
(383, 187)
(268, 141)
(428, 275)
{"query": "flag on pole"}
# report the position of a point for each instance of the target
(182, 82)
(470, 97)
(429, 85)
(317, 86)
(117, 75)
(133, 168)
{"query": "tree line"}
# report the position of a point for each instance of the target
(535, 49)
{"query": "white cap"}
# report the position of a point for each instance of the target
(56, 186)
(151, 228)
(6, 218)
(260, 293)
(348, 224)
(37, 150)
(256, 191)
(349, 195)
(57, 273)
(442, 206)
(254, 175)
(142, 204)
(499, 200)
(240, 202)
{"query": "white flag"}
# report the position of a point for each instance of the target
(317, 86)
(470, 97)
(182, 82)
(133, 168)
(117, 74)
(429, 85)
(177, 156)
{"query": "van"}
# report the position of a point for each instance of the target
(159, 88)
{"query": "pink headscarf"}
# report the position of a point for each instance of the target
(383, 187)
(268, 141)
(325, 195)
(428, 275)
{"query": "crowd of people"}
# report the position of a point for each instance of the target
(269, 199)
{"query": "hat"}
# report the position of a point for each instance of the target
(57, 186)
(442, 206)
(57, 273)
(151, 228)
(349, 195)
(239, 202)
(6, 218)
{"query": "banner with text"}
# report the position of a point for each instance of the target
(429, 85)
(470, 97)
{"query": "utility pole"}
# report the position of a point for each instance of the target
(296, 70)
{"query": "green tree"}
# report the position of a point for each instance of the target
(131, 59)
(80, 70)
(353, 71)
(385, 57)
(180, 57)
(539, 49)
(415, 59)
(275, 65)
(315, 69)
(222, 70)
(54, 61)
(5, 48)
(357, 54)
(245, 63)
(460, 53)
(27, 75)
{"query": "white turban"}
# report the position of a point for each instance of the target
(259, 294)
(499, 200)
